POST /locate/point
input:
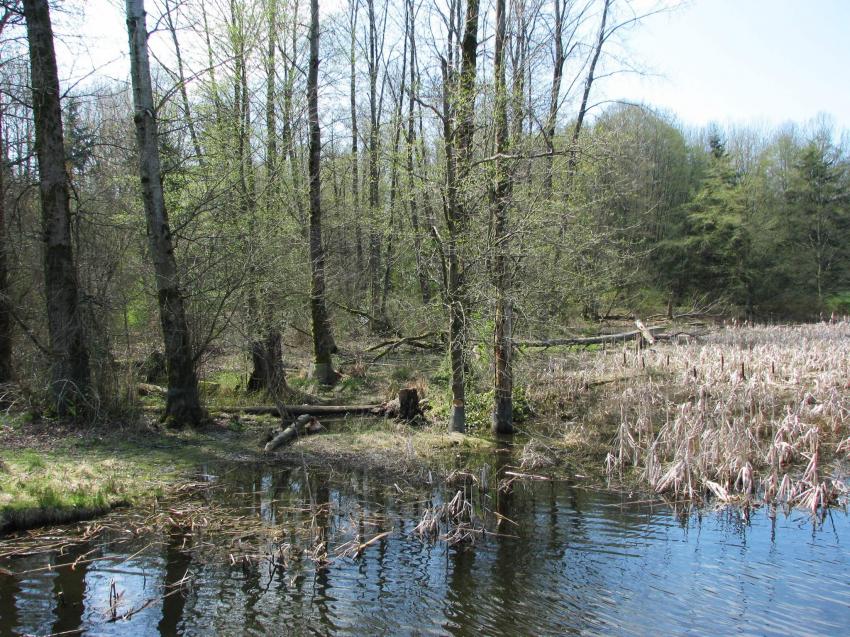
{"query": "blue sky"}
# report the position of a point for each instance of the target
(745, 61)
(758, 62)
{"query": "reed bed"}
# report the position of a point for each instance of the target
(750, 414)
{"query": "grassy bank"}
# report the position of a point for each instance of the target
(52, 473)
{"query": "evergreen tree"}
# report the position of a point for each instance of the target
(819, 218)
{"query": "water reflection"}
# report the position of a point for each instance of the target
(69, 590)
(178, 561)
(557, 560)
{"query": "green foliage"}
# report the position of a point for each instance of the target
(442, 377)
(819, 199)
(351, 384)
(479, 409)
(838, 302)
(401, 374)
(137, 312)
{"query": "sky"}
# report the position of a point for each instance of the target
(745, 61)
(750, 62)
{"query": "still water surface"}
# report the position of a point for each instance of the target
(567, 561)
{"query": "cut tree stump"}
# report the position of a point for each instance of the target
(408, 403)
(405, 406)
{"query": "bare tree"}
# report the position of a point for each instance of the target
(266, 353)
(373, 52)
(398, 126)
(5, 307)
(70, 360)
(323, 344)
(588, 84)
(565, 25)
(353, 6)
(181, 80)
(458, 141)
(421, 274)
(502, 335)
(183, 403)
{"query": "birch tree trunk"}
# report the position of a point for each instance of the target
(323, 344)
(182, 403)
(70, 359)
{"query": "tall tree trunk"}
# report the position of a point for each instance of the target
(5, 315)
(323, 345)
(267, 353)
(287, 136)
(374, 230)
(519, 62)
(458, 168)
(211, 60)
(572, 161)
(502, 333)
(394, 180)
(353, 6)
(588, 84)
(181, 78)
(421, 274)
(182, 403)
(554, 97)
(70, 359)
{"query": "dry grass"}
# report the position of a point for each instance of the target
(744, 413)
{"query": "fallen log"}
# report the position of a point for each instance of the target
(409, 341)
(381, 324)
(676, 335)
(594, 340)
(147, 389)
(303, 426)
(412, 340)
(294, 411)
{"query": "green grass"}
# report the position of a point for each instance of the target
(32, 480)
(102, 468)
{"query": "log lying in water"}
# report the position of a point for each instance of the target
(304, 425)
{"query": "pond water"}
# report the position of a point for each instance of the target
(561, 559)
